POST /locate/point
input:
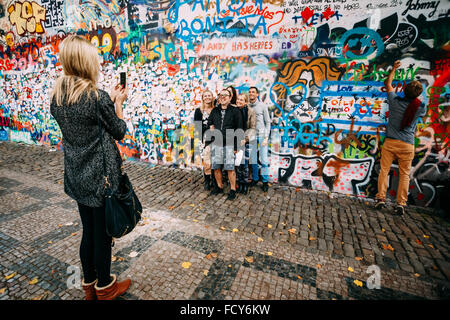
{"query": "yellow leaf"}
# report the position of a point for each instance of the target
(222, 228)
(350, 269)
(195, 220)
(249, 259)
(113, 258)
(50, 242)
(12, 275)
(358, 258)
(192, 205)
(298, 277)
(358, 283)
(235, 230)
(309, 227)
(293, 230)
(382, 230)
(312, 238)
(205, 272)
(260, 239)
(426, 237)
(318, 266)
(34, 281)
(416, 275)
(269, 226)
(229, 266)
(269, 253)
(252, 233)
(186, 265)
(2, 290)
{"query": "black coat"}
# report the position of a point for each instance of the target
(232, 120)
(83, 162)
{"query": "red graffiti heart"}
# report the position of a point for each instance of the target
(282, 16)
(327, 14)
(306, 14)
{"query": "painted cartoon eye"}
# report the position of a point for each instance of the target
(106, 42)
(296, 98)
(95, 41)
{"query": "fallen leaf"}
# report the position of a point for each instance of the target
(192, 205)
(59, 225)
(34, 281)
(318, 266)
(120, 259)
(293, 230)
(74, 234)
(309, 227)
(298, 277)
(387, 247)
(205, 272)
(269, 226)
(235, 230)
(249, 259)
(416, 275)
(350, 269)
(171, 207)
(113, 259)
(383, 230)
(195, 220)
(50, 242)
(186, 265)
(419, 242)
(206, 227)
(358, 283)
(133, 254)
(260, 239)
(435, 268)
(426, 237)
(358, 258)
(211, 255)
(229, 266)
(222, 228)
(269, 253)
(2, 290)
(312, 238)
(431, 246)
(12, 275)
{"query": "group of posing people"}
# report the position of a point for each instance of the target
(232, 111)
(91, 120)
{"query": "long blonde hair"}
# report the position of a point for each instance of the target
(79, 59)
(203, 106)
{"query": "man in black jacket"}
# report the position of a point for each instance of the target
(226, 119)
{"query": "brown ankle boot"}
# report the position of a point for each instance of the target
(89, 290)
(112, 290)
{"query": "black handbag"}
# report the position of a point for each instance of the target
(123, 209)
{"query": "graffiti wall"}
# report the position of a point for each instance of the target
(319, 66)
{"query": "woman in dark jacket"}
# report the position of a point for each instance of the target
(201, 115)
(74, 104)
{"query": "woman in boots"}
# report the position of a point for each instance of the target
(201, 117)
(74, 103)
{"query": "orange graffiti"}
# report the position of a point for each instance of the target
(27, 16)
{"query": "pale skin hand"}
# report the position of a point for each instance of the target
(120, 98)
(390, 77)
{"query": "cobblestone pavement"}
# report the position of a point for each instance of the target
(289, 243)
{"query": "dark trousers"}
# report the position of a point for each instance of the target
(95, 248)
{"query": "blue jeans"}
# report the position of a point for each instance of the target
(256, 146)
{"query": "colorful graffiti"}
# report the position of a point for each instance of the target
(319, 66)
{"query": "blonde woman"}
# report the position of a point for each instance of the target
(249, 120)
(201, 115)
(74, 106)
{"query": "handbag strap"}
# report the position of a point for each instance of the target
(101, 143)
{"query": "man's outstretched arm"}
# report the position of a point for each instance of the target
(388, 81)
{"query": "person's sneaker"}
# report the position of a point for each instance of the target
(231, 195)
(380, 204)
(400, 210)
(253, 183)
(265, 186)
(216, 190)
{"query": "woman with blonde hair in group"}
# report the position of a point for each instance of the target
(74, 103)
(201, 116)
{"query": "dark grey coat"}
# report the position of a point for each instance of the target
(83, 163)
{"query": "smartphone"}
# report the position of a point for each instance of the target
(123, 79)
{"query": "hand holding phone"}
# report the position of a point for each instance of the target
(123, 79)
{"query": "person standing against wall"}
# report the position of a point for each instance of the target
(262, 140)
(249, 123)
(399, 143)
(74, 103)
(225, 117)
(201, 115)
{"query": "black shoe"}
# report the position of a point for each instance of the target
(380, 204)
(231, 195)
(265, 186)
(400, 210)
(245, 189)
(253, 183)
(216, 190)
(207, 182)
